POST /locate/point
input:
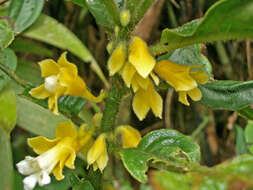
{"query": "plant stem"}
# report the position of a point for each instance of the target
(112, 103)
(200, 128)
(158, 49)
(13, 76)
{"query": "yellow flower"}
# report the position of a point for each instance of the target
(140, 57)
(130, 136)
(54, 154)
(61, 78)
(117, 59)
(182, 78)
(146, 99)
(135, 72)
(97, 154)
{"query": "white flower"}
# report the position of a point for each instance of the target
(31, 166)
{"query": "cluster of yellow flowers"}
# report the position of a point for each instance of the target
(138, 69)
(56, 153)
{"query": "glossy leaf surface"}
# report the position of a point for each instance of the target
(230, 95)
(225, 20)
(167, 147)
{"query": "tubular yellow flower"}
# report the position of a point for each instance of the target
(117, 59)
(178, 76)
(135, 72)
(54, 154)
(130, 136)
(97, 154)
(144, 99)
(182, 79)
(140, 57)
(61, 78)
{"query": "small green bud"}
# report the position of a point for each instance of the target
(125, 17)
(109, 47)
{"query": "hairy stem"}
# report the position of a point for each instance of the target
(112, 103)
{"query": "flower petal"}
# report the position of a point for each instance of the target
(65, 129)
(57, 171)
(155, 101)
(65, 77)
(48, 67)
(140, 57)
(142, 82)
(44, 178)
(63, 62)
(102, 160)
(178, 76)
(135, 84)
(96, 150)
(30, 181)
(155, 78)
(200, 76)
(95, 166)
(141, 104)
(117, 59)
(130, 136)
(40, 92)
(76, 87)
(51, 102)
(41, 144)
(54, 103)
(195, 94)
(70, 162)
(183, 98)
(128, 73)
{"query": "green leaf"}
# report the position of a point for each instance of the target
(241, 144)
(6, 171)
(70, 104)
(225, 20)
(105, 12)
(36, 119)
(137, 9)
(247, 113)
(78, 2)
(251, 149)
(29, 71)
(249, 132)
(25, 13)
(49, 30)
(86, 185)
(223, 177)
(8, 109)
(229, 95)
(163, 146)
(25, 46)
(8, 60)
(6, 34)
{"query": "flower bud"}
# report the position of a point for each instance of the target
(125, 17)
(109, 47)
